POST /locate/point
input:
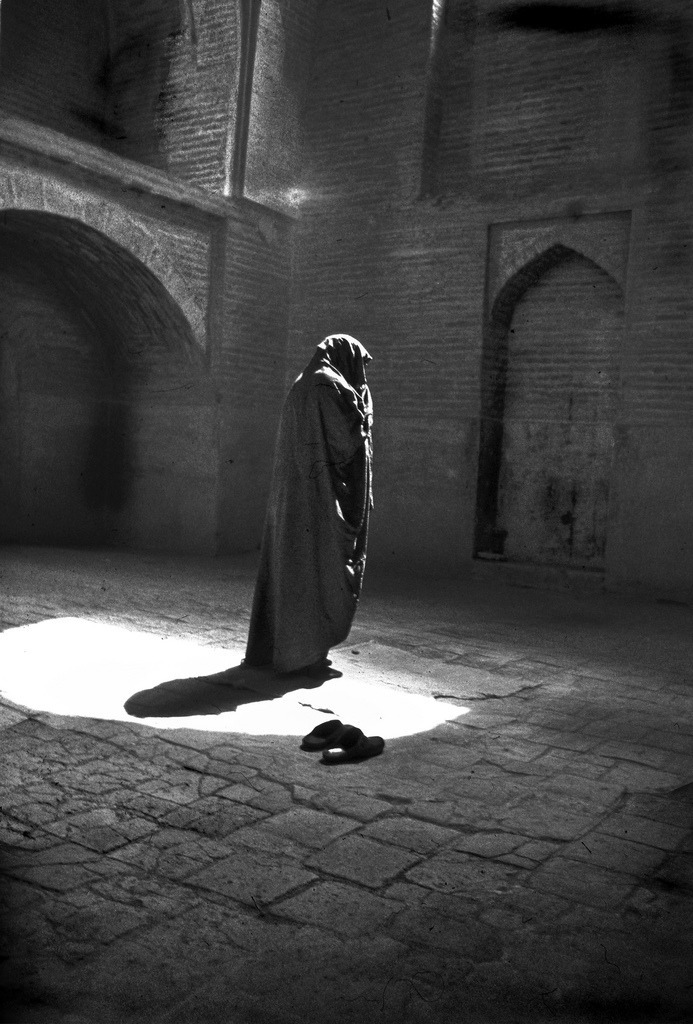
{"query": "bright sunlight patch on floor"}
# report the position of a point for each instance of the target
(72, 666)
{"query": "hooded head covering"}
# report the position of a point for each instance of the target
(346, 356)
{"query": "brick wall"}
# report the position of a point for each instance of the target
(151, 80)
(364, 113)
(131, 414)
(51, 60)
(282, 66)
(401, 152)
(544, 103)
(107, 412)
(46, 425)
(143, 37)
(196, 113)
(504, 123)
(252, 278)
(651, 536)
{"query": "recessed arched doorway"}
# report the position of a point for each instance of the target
(550, 384)
(103, 393)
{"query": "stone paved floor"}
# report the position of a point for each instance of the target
(522, 851)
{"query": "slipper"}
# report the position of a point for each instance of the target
(354, 747)
(327, 734)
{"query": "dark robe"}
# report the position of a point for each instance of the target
(314, 541)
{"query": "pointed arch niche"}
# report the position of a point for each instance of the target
(549, 389)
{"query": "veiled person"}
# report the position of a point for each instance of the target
(314, 541)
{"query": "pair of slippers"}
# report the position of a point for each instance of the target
(342, 743)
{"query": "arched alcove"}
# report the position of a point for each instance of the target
(93, 352)
(32, 192)
(549, 388)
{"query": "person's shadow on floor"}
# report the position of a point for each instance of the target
(222, 691)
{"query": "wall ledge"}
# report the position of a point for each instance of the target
(19, 134)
